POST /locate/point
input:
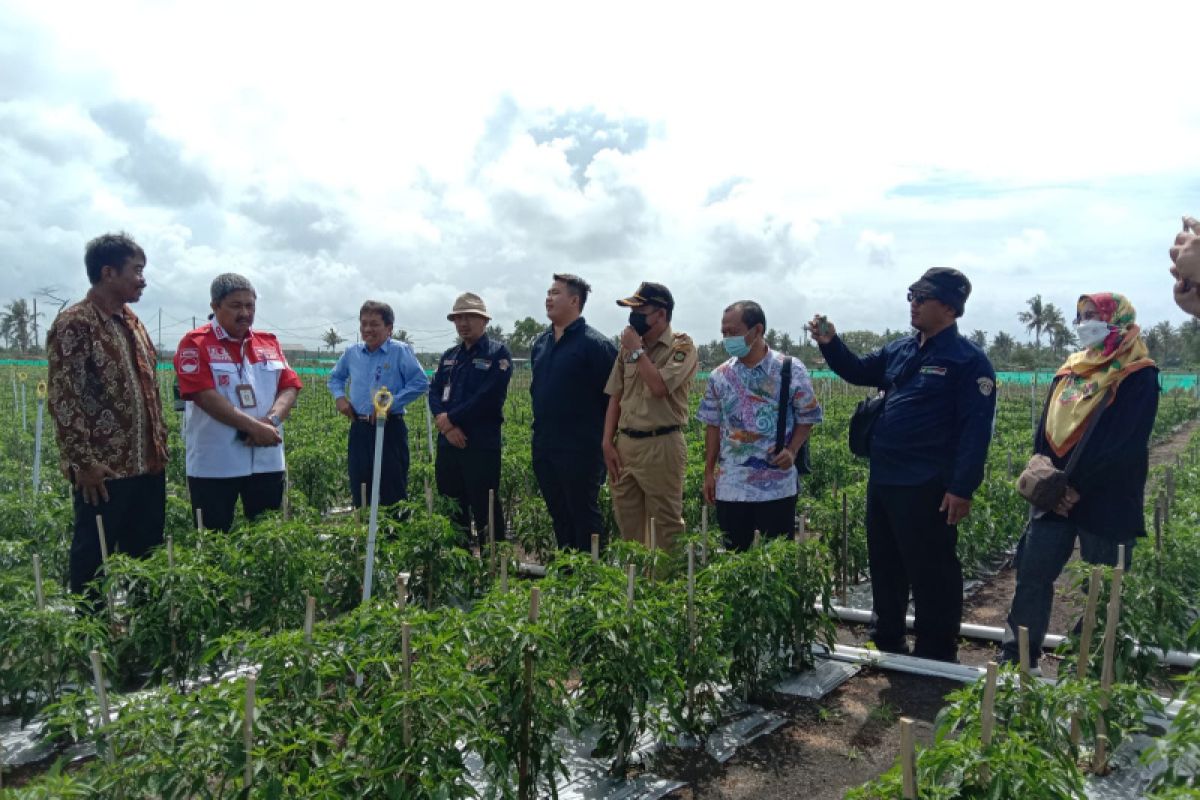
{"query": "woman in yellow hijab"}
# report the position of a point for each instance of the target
(1103, 506)
(1113, 350)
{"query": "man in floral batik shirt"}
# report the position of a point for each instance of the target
(753, 486)
(103, 396)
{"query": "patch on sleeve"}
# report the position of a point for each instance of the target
(933, 370)
(986, 385)
(679, 356)
(503, 364)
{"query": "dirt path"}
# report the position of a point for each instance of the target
(852, 735)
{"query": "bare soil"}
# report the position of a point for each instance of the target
(852, 735)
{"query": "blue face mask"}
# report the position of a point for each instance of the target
(736, 346)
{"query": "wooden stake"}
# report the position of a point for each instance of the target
(363, 505)
(1023, 652)
(401, 591)
(310, 615)
(504, 574)
(406, 651)
(492, 532)
(102, 698)
(653, 537)
(1100, 761)
(248, 732)
(988, 717)
(200, 520)
(37, 583)
(801, 528)
(171, 553)
(1085, 642)
(104, 541)
(595, 547)
(845, 570)
(908, 758)
(691, 595)
(631, 576)
(428, 497)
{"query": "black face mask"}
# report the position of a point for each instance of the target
(639, 323)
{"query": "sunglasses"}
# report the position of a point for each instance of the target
(918, 297)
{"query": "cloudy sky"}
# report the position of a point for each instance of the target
(813, 156)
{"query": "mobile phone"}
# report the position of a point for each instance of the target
(823, 327)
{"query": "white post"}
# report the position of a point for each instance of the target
(383, 402)
(37, 443)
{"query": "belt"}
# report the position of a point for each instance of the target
(632, 434)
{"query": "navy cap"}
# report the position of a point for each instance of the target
(945, 284)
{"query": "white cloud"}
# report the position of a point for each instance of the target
(396, 151)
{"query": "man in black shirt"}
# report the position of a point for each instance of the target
(466, 398)
(571, 362)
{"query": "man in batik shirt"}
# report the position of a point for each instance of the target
(104, 399)
(753, 485)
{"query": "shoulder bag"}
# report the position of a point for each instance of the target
(1041, 483)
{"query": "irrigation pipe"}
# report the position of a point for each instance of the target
(1173, 658)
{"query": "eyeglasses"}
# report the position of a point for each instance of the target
(918, 297)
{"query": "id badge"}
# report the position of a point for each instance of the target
(245, 395)
(446, 393)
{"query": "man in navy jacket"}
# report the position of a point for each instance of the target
(928, 449)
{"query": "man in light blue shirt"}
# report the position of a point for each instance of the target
(377, 362)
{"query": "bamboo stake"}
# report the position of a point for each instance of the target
(401, 591)
(1023, 652)
(363, 505)
(525, 788)
(310, 614)
(492, 532)
(248, 733)
(103, 542)
(286, 506)
(406, 649)
(1100, 761)
(102, 698)
(171, 552)
(504, 574)
(428, 497)
(845, 570)
(37, 583)
(1085, 642)
(988, 718)
(908, 758)
(631, 576)
(200, 520)
(801, 528)
(595, 547)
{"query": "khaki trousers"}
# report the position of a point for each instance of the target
(650, 486)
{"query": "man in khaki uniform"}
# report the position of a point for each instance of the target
(644, 449)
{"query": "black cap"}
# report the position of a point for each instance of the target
(652, 293)
(947, 285)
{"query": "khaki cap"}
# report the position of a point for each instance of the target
(469, 303)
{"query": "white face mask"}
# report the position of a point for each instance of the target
(1092, 332)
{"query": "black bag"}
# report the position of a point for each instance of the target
(1041, 483)
(803, 462)
(868, 410)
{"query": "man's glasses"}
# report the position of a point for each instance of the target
(918, 297)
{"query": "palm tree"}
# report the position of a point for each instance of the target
(979, 338)
(1036, 319)
(15, 325)
(1002, 348)
(1061, 336)
(332, 338)
(401, 335)
(786, 344)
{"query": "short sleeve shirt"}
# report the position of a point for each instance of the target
(208, 358)
(675, 356)
(744, 403)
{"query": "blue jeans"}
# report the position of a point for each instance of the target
(1043, 551)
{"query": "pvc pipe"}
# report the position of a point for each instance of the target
(969, 630)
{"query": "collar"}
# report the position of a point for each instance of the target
(667, 339)
(764, 363)
(947, 334)
(386, 347)
(124, 313)
(221, 335)
(478, 343)
(576, 325)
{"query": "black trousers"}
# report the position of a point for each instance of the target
(393, 469)
(570, 484)
(217, 497)
(134, 516)
(739, 520)
(910, 547)
(466, 476)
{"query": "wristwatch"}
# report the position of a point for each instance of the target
(275, 420)
(636, 354)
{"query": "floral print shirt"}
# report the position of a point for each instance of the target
(744, 403)
(103, 391)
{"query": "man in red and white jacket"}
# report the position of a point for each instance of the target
(239, 389)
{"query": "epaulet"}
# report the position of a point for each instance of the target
(681, 340)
